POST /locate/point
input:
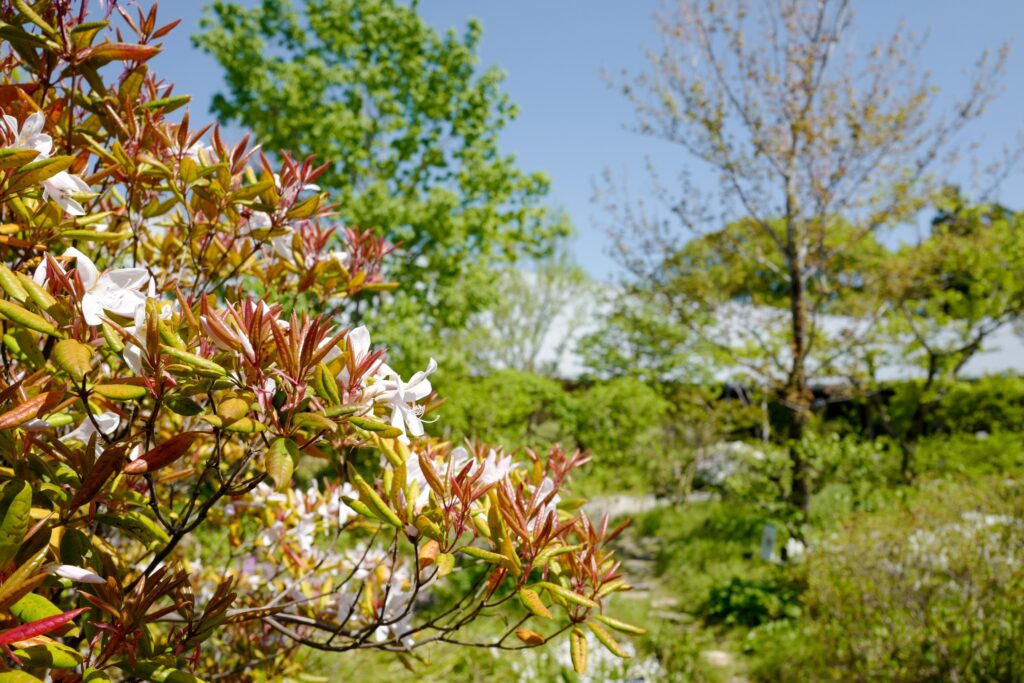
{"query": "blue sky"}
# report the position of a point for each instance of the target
(573, 126)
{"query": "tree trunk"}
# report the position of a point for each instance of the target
(797, 393)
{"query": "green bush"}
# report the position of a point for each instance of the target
(989, 404)
(931, 592)
(622, 423)
(510, 406)
(971, 455)
(750, 602)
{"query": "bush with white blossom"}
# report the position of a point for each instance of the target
(177, 360)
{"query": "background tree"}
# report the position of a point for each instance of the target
(410, 124)
(534, 321)
(805, 137)
(949, 294)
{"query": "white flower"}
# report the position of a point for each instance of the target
(119, 291)
(551, 508)
(132, 351)
(107, 422)
(402, 396)
(495, 469)
(69, 571)
(61, 185)
(31, 135)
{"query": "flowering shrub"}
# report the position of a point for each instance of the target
(157, 382)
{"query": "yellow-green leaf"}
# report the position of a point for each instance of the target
(373, 500)
(120, 392)
(53, 655)
(10, 284)
(445, 563)
(620, 625)
(195, 361)
(578, 649)
(382, 428)
(531, 601)
(26, 318)
(15, 509)
(567, 594)
(607, 640)
(280, 463)
(73, 357)
(36, 172)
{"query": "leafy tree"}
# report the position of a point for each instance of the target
(949, 293)
(533, 323)
(817, 147)
(410, 126)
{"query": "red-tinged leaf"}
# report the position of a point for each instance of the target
(125, 52)
(164, 30)
(27, 410)
(162, 455)
(38, 627)
(431, 475)
(98, 475)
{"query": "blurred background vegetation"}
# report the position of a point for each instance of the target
(781, 394)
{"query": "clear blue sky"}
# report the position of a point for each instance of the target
(573, 126)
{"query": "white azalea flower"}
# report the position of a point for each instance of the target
(58, 187)
(402, 396)
(119, 291)
(495, 469)
(31, 135)
(132, 351)
(108, 423)
(79, 574)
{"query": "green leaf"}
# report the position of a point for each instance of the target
(34, 607)
(96, 235)
(17, 677)
(620, 625)
(578, 649)
(567, 594)
(137, 525)
(607, 640)
(314, 422)
(485, 555)
(52, 655)
(372, 499)
(445, 563)
(531, 601)
(73, 357)
(370, 425)
(280, 462)
(33, 173)
(26, 318)
(15, 509)
(10, 284)
(160, 673)
(168, 104)
(182, 405)
(195, 361)
(121, 392)
(12, 157)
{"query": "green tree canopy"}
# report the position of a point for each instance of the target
(410, 123)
